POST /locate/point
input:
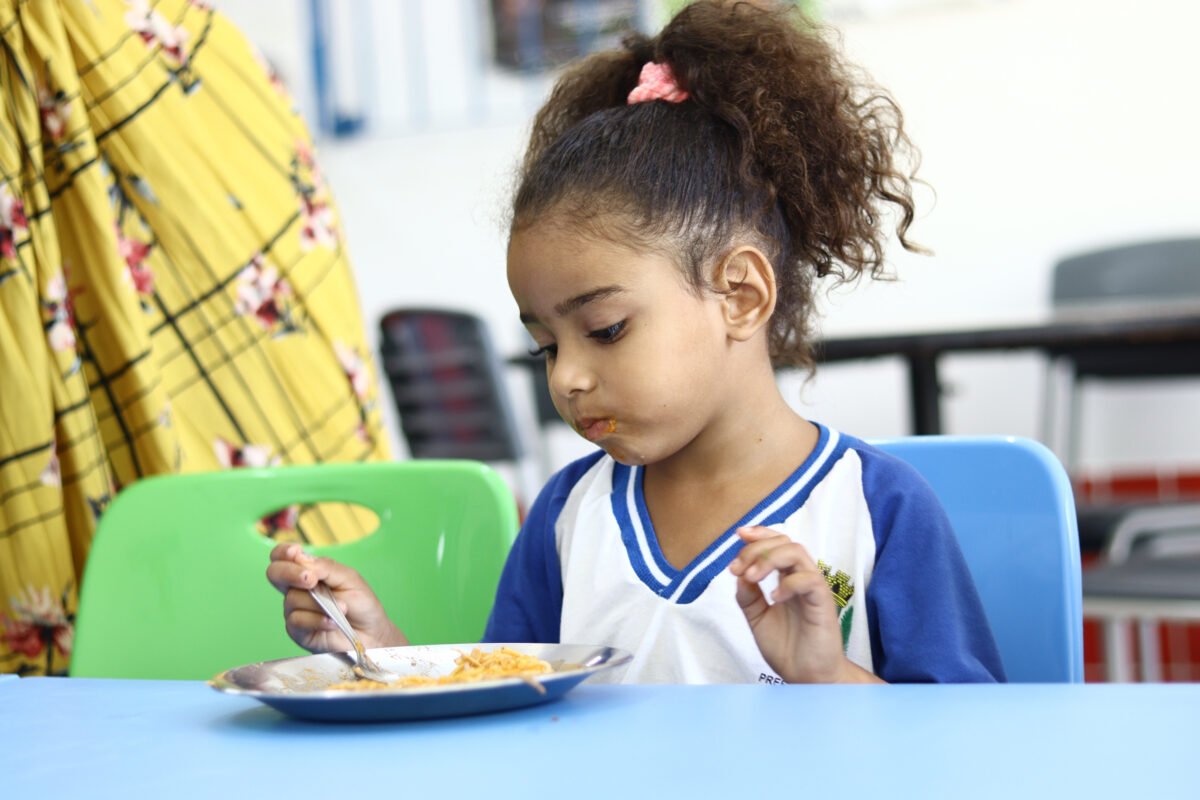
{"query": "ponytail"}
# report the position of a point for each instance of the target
(778, 139)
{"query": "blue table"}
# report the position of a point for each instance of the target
(100, 738)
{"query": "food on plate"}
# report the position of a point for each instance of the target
(477, 665)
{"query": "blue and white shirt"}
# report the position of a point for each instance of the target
(586, 568)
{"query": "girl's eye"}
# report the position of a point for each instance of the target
(610, 334)
(549, 351)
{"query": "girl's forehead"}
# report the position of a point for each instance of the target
(564, 254)
(547, 265)
(556, 234)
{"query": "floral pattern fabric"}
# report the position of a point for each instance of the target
(174, 291)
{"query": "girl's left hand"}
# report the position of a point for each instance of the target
(798, 631)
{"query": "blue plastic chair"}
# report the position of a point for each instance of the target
(1010, 502)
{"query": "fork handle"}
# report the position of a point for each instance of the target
(364, 667)
(324, 597)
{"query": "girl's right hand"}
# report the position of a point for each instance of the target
(293, 572)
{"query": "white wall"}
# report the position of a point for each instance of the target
(1047, 127)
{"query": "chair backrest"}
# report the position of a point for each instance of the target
(175, 584)
(448, 385)
(1011, 506)
(1145, 272)
(1156, 277)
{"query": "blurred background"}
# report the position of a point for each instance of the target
(1047, 127)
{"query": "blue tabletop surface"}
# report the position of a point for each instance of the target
(98, 738)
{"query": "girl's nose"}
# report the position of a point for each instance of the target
(570, 375)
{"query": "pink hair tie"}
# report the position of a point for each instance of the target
(657, 82)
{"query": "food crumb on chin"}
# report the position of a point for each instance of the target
(612, 426)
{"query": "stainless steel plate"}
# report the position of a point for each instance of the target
(299, 686)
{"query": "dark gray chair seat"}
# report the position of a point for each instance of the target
(1141, 579)
(1150, 573)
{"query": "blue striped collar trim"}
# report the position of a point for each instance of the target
(685, 585)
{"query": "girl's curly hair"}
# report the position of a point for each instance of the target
(779, 140)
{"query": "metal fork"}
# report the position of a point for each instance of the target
(363, 667)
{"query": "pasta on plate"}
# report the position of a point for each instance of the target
(477, 665)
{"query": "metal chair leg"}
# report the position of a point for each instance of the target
(1149, 654)
(1117, 650)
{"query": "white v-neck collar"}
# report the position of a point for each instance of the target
(686, 584)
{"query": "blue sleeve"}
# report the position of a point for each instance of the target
(528, 606)
(927, 623)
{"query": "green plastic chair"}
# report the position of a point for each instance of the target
(175, 584)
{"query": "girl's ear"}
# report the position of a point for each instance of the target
(746, 279)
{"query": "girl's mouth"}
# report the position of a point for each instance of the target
(596, 429)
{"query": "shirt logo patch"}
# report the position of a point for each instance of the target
(843, 589)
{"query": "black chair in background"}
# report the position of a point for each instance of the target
(448, 385)
(1140, 278)
(1161, 270)
(1130, 278)
(1149, 573)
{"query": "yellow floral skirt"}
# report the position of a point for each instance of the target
(175, 294)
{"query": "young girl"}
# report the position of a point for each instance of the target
(677, 199)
